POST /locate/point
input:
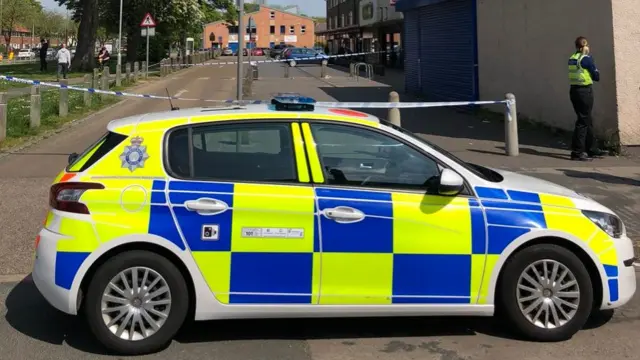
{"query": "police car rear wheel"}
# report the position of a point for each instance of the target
(546, 293)
(136, 302)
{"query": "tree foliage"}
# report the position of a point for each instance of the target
(18, 13)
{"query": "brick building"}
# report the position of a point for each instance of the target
(273, 27)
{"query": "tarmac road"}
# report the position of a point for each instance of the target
(31, 329)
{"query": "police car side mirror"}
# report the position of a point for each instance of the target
(72, 157)
(451, 183)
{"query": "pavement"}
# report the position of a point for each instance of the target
(31, 329)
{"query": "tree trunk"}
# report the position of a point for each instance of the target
(84, 58)
(133, 39)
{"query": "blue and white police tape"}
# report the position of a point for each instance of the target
(344, 105)
(321, 57)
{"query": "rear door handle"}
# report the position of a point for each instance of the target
(206, 206)
(344, 214)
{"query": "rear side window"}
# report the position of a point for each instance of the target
(96, 151)
(233, 152)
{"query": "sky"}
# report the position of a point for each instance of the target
(309, 7)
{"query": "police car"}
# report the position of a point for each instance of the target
(289, 209)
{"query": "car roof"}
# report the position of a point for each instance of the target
(253, 112)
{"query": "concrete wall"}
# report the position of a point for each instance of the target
(524, 46)
(264, 22)
(626, 40)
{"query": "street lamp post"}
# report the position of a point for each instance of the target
(251, 25)
(120, 39)
(239, 76)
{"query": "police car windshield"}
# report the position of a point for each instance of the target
(480, 171)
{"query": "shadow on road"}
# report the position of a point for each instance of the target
(30, 314)
(602, 177)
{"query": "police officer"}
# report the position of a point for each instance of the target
(582, 74)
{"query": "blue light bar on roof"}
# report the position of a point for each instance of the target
(292, 102)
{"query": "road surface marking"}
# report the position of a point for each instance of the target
(180, 93)
(203, 78)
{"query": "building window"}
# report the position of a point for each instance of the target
(233, 29)
(350, 20)
(272, 29)
(303, 29)
(335, 22)
(292, 29)
(342, 20)
(282, 29)
(272, 14)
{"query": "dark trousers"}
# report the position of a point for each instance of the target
(43, 64)
(583, 138)
(62, 70)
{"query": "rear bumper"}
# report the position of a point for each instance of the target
(44, 270)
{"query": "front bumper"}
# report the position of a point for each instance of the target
(622, 286)
(44, 270)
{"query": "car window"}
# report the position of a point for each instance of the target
(233, 152)
(353, 156)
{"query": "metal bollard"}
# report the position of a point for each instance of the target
(352, 71)
(118, 75)
(286, 70)
(36, 106)
(105, 82)
(63, 105)
(87, 95)
(512, 146)
(127, 70)
(394, 113)
(136, 69)
(3, 115)
(323, 69)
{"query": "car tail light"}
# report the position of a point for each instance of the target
(37, 241)
(66, 196)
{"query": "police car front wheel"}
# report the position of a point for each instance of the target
(136, 302)
(546, 293)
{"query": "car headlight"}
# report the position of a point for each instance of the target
(609, 223)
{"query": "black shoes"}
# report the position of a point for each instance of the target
(596, 153)
(580, 157)
(590, 155)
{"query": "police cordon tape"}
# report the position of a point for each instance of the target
(323, 57)
(344, 105)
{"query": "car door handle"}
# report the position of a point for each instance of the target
(366, 165)
(206, 206)
(344, 214)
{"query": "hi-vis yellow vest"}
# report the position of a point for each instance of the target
(578, 75)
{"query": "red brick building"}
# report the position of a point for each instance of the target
(273, 27)
(21, 38)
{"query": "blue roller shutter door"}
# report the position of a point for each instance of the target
(233, 47)
(411, 38)
(448, 51)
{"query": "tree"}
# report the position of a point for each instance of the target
(18, 12)
(86, 12)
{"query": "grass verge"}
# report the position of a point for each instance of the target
(19, 109)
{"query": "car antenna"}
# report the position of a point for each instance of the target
(173, 108)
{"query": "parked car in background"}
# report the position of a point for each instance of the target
(276, 52)
(25, 54)
(257, 52)
(295, 56)
(51, 54)
(227, 52)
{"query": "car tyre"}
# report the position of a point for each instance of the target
(179, 301)
(513, 293)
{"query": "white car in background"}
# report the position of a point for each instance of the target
(25, 54)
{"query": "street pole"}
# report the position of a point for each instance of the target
(250, 43)
(146, 65)
(120, 39)
(239, 76)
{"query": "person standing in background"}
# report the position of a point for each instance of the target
(582, 73)
(64, 60)
(44, 46)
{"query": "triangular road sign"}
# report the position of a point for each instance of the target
(148, 21)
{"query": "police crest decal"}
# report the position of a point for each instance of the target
(134, 155)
